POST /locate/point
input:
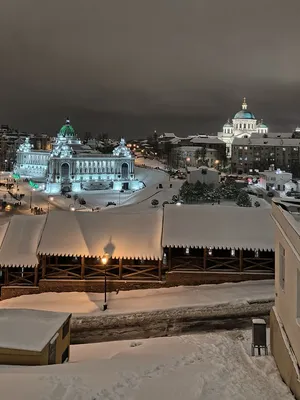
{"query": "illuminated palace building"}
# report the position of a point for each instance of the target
(70, 165)
(243, 125)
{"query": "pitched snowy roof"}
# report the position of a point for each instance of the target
(266, 142)
(217, 227)
(29, 330)
(122, 233)
(207, 139)
(21, 238)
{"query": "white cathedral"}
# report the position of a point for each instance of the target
(72, 166)
(243, 124)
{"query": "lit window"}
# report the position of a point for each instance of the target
(256, 254)
(245, 148)
(210, 251)
(187, 250)
(281, 266)
(232, 252)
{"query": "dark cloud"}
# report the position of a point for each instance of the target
(136, 65)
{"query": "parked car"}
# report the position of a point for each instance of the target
(270, 194)
(260, 195)
(68, 196)
(82, 202)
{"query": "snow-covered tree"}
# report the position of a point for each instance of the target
(243, 199)
(155, 202)
(175, 198)
(164, 203)
(257, 204)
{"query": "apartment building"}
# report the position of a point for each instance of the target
(285, 315)
(255, 154)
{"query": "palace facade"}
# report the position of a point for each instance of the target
(72, 166)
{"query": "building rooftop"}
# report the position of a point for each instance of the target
(218, 227)
(253, 141)
(129, 233)
(29, 330)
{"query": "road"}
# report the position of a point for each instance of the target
(265, 194)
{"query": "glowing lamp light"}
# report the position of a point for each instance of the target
(72, 208)
(104, 259)
(178, 203)
(51, 198)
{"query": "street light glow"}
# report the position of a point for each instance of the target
(104, 259)
(51, 198)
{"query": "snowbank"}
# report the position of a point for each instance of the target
(80, 303)
(205, 366)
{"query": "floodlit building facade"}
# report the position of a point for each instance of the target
(244, 123)
(72, 166)
(285, 316)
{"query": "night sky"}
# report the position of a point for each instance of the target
(128, 67)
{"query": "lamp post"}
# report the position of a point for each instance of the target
(30, 201)
(104, 260)
(50, 198)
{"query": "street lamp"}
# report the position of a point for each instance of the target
(50, 198)
(30, 201)
(104, 261)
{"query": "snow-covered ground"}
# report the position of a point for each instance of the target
(204, 366)
(146, 300)
(140, 161)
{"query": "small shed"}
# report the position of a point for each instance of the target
(34, 337)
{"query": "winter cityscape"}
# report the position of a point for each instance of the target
(150, 201)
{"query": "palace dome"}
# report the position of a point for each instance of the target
(262, 125)
(228, 124)
(244, 113)
(67, 130)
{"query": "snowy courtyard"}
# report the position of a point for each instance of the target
(204, 366)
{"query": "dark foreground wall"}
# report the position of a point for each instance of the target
(170, 322)
(279, 348)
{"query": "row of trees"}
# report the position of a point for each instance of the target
(200, 192)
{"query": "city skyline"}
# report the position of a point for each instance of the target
(129, 68)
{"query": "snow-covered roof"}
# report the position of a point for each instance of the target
(207, 139)
(217, 227)
(266, 142)
(274, 135)
(167, 135)
(29, 330)
(121, 233)
(20, 241)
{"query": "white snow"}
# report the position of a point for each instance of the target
(205, 366)
(141, 161)
(147, 299)
(122, 233)
(21, 240)
(218, 227)
(28, 329)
